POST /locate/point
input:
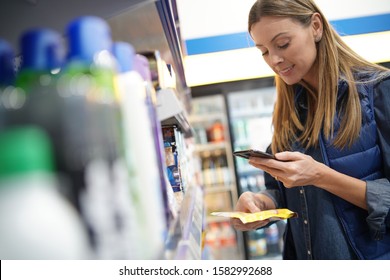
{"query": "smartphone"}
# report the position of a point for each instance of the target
(253, 153)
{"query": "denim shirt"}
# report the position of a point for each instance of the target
(317, 232)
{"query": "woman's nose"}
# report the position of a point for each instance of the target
(275, 59)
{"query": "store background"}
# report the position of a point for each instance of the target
(218, 36)
(224, 95)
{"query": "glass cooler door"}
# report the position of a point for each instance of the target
(250, 120)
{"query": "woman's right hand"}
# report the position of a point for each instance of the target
(250, 202)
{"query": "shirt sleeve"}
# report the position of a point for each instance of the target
(272, 187)
(272, 190)
(378, 191)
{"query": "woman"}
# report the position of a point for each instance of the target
(331, 137)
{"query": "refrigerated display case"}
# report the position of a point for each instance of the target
(250, 118)
(214, 154)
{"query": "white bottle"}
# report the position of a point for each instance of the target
(92, 129)
(36, 222)
(141, 157)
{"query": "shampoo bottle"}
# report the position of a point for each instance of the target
(141, 156)
(36, 222)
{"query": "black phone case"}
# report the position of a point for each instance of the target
(253, 153)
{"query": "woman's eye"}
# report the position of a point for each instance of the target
(283, 46)
(264, 53)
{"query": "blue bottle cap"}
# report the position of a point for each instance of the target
(124, 54)
(87, 36)
(7, 73)
(41, 49)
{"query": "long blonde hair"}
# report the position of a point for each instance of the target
(335, 60)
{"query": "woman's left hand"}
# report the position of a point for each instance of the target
(293, 169)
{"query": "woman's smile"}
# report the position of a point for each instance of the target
(286, 71)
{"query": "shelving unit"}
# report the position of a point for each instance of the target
(145, 29)
(184, 239)
(171, 111)
(149, 26)
(185, 236)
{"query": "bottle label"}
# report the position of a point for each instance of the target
(96, 207)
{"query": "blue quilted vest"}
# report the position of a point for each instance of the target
(362, 161)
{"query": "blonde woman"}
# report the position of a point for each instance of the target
(331, 137)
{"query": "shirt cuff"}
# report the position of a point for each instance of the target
(274, 195)
(378, 203)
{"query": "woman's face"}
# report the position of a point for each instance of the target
(288, 48)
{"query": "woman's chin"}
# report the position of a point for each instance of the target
(289, 80)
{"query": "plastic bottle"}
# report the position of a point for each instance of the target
(172, 168)
(216, 132)
(93, 126)
(209, 172)
(7, 73)
(143, 68)
(141, 156)
(36, 222)
(257, 243)
(272, 233)
(7, 79)
(227, 173)
(37, 99)
(42, 54)
(219, 169)
(181, 158)
(228, 241)
(213, 240)
(62, 108)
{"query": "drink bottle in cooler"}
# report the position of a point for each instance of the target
(272, 234)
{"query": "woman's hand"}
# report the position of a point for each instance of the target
(295, 169)
(250, 203)
(291, 168)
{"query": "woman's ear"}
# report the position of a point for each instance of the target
(317, 26)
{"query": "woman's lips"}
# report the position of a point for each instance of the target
(286, 71)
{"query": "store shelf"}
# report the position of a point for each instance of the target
(206, 117)
(216, 219)
(171, 111)
(184, 240)
(218, 188)
(146, 24)
(149, 26)
(23, 14)
(154, 25)
(211, 147)
(246, 114)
